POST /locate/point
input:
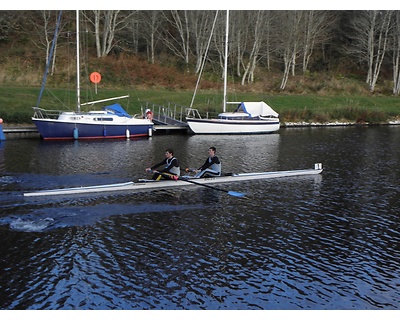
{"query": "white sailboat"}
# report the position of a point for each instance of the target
(110, 122)
(248, 118)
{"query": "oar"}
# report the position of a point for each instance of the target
(231, 193)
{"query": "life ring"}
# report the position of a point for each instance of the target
(149, 115)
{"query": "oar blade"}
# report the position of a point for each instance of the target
(236, 194)
(231, 193)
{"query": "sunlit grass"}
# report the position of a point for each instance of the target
(16, 103)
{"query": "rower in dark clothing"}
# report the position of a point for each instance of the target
(211, 167)
(171, 166)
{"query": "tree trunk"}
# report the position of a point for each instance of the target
(396, 53)
(381, 48)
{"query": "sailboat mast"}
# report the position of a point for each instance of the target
(226, 60)
(78, 86)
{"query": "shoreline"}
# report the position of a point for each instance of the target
(19, 131)
(337, 124)
(9, 128)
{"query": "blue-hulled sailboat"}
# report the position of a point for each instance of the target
(110, 122)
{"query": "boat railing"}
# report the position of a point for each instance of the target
(171, 114)
(45, 114)
(195, 114)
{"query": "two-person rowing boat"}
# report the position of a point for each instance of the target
(183, 181)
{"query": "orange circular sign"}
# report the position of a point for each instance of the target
(95, 77)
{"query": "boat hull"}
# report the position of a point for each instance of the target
(52, 129)
(227, 126)
(162, 184)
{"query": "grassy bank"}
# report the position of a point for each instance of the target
(315, 97)
(16, 103)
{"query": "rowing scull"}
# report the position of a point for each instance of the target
(161, 184)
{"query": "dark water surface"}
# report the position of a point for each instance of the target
(325, 242)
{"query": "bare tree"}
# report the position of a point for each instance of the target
(377, 44)
(177, 37)
(370, 40)
(152, 21)
(134, 32)
(258, 23)
(395, 48)
(287, 38)
(45, 32)
(219, 42)
(269, 29)
(106, 24)
(239, 39)
(200, 26)
(317, 29)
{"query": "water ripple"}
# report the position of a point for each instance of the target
(326, 242)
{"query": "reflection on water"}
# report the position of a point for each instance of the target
(245, 153)
(320, 242)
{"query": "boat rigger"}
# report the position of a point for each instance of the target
(183, 182)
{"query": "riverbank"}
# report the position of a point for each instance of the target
(336, 123)
(16, 103)
(19, 131)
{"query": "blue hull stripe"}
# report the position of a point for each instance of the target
(62, 130)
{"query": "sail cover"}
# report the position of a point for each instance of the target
(117, 109)
(255, 109)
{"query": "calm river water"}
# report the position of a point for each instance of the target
(326, 242)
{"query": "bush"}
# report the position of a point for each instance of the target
(17, 117)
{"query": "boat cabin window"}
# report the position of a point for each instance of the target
(234, 118)
(103, 119)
